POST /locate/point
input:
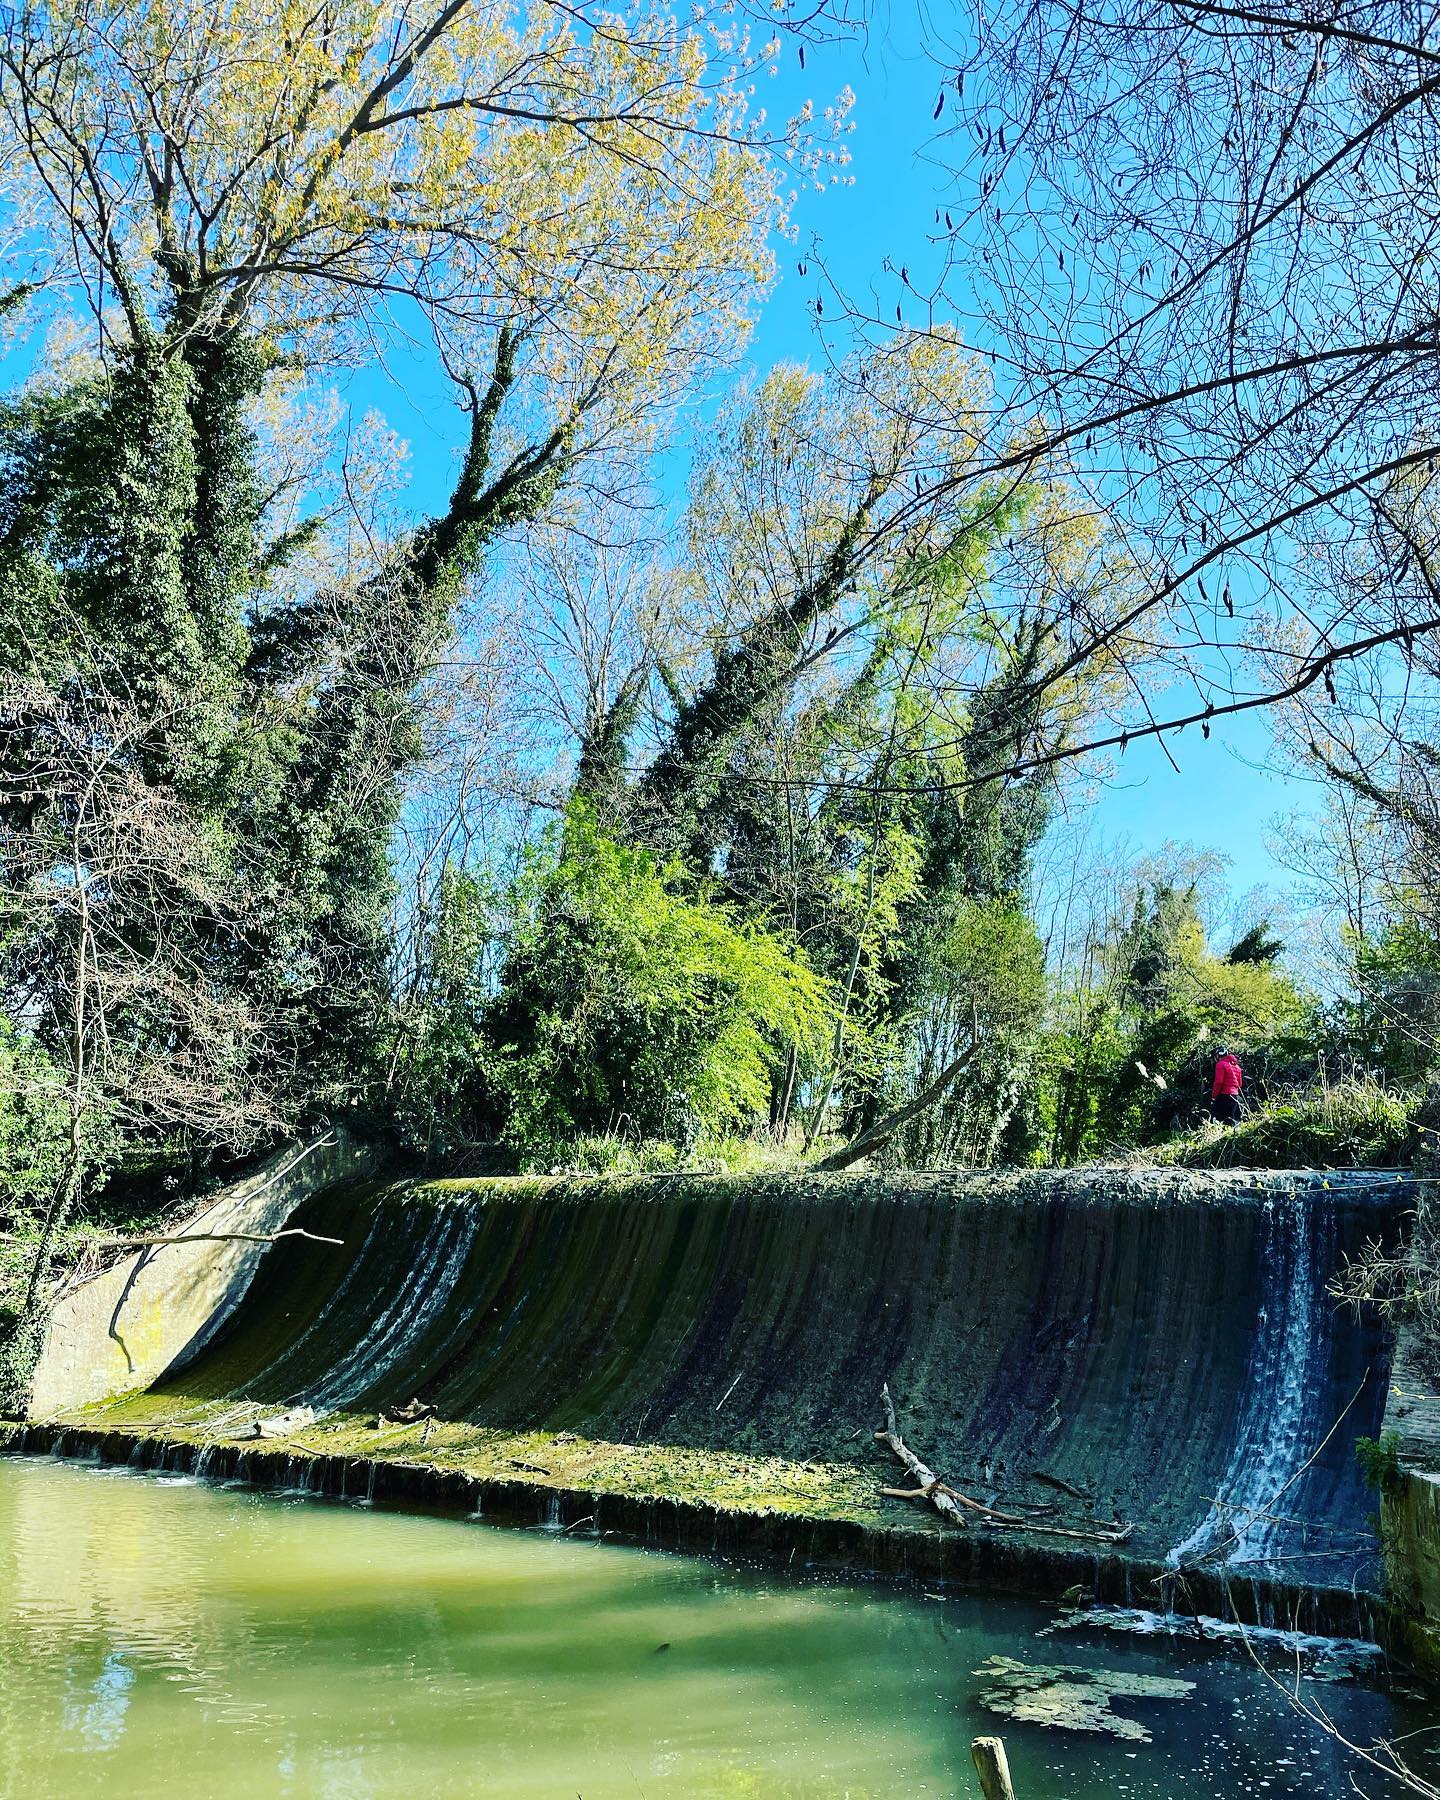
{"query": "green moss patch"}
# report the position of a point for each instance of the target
(560, 1461)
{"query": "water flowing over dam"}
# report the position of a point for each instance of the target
(1156, 1349)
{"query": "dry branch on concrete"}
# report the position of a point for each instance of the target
(1055, 1481)
(1096, 1534)
(929, 1485)
(948, 1501)
(212, 1237)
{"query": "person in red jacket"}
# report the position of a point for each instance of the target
(1225, 1093)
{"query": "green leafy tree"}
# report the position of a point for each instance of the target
(281, 696)
(1389, 1024)
(1134, 1051)
(985, 985)
(434, 1090)
(627, 1004)
(32, 1125)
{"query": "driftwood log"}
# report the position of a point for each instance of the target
(281, 1425)
(928, 1486)
(949, 1501)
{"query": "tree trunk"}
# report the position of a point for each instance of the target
(837, 1048)
(928, 1483)
(882, 1131)
(787, 1093)
(61, 1205)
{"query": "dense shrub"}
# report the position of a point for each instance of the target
(32, 1123)
(629, 1006)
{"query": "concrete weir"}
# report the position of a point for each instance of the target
(698, 1361)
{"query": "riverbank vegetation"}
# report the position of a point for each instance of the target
(702, 781)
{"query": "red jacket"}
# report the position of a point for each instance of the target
(1227, 1077)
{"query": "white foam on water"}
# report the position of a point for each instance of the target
(1140, 1621)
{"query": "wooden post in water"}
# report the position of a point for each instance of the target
(992, 1767)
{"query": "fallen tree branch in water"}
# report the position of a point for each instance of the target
(1381, 1754)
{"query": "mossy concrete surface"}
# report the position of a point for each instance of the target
(696, 1355)
(123, 1329)
(544, 1462)
(1411, 1532)
(1410, 1506)
(666, 1497)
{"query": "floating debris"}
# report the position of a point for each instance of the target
(1066, 1698)
(1322, 1658)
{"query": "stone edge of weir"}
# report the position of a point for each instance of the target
(973, 1559)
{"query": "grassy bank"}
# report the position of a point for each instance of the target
(1353, 1125)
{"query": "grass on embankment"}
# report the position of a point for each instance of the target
(1353, 1125)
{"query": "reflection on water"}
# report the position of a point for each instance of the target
(167, 1637)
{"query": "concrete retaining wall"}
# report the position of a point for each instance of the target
(122, 1330)
(1410, 1508)
(1411, 1532)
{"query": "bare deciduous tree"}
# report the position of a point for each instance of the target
(1200, 238)
(120, 916)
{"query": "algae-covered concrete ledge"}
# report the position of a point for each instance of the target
(1410, 1505)
(669, 1498)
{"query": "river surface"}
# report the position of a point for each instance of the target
(162, 1636)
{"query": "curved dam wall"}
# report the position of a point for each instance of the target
(1152, 1343)
(117, 1332)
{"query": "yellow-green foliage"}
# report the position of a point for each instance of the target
(1134, 1057)
(995, 961)
(1241, 1002)
(628, 1005)
(496, 161)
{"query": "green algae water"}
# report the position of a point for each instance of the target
(164, 1636)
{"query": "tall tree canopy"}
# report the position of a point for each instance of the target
(1201, 238)
(213, 644)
